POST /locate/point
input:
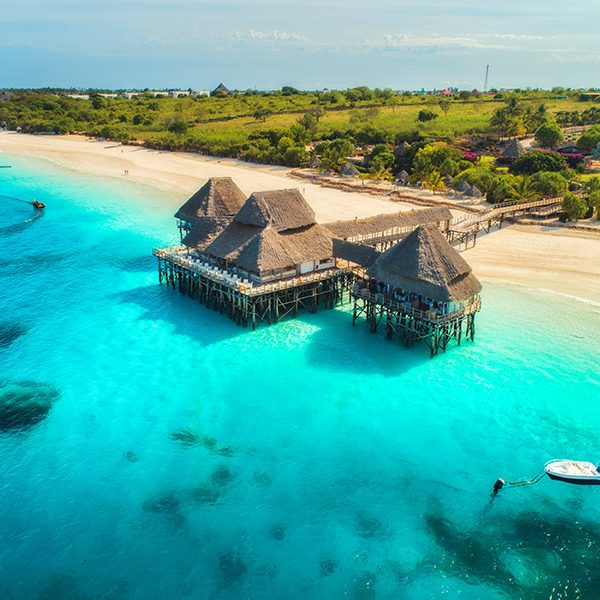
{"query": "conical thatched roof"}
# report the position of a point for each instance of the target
(204, 231)
(513, 150)
(474, 192)
(282, 209)
(402, 148)
(218, 197)
(402, 176)
(349, 170)
(265, 249)
(273, 231)
(220, 89)
(463, 187)
(425, 263)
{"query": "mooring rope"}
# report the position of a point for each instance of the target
(522, 482)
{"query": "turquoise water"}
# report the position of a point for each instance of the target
(184, 457)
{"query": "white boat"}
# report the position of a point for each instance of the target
(573, 471)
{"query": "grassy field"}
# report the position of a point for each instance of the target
(251, 125)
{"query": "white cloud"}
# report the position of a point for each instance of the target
(493, 41)
(274, 36)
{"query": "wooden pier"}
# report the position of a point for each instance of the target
(249, 304)
(464, 231)
(411, 325)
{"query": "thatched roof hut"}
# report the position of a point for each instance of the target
(474, 192)
(315, 162)
(221, 90)
(273, 231)
(402, 177)
(219, 197)
(426, 264)
(349, 170)
(513, 151)
(463, 187)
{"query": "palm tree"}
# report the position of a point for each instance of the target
(524, 190)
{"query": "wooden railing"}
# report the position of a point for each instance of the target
(501, 209)
(408, 309)
(178, 255)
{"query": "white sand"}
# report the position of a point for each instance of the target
(560, 261)
(183, 173)
(550, 260)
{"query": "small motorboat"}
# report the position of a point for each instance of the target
(577, 472)
(38, 205)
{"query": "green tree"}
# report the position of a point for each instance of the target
(574, 207)
(549, 184)
(334, 154)
(434, 157)
(588, 141)
(537, 160)
(426, 115)
(480, 177)
(435, 182)
(549, 135)
(176, 124)
(594, 202)
(444, 105)
(524, 189)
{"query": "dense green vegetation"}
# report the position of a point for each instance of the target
(259, 126)
(437, 142)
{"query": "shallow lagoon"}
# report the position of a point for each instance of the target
(185, 457)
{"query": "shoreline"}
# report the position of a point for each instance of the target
(562, 261)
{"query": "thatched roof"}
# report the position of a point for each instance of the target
(282, 209)
(359, 254)
(463, 187)
(273, 231)
(402, 177)
(474, 192)
(204, 231)
(220, 89)
(218, 197)
(380, 223)
(265, 249)
(425, 263)
(349, 170)
(513, 150)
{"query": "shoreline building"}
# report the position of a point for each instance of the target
(265, 257)
(209, 210)
(269, 260)
(423, 289)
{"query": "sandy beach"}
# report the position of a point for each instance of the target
(559, 261)
(551, 260)
(181, 174)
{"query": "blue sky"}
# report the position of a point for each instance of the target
(403, 44)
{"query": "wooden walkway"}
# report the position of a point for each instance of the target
(463, 231)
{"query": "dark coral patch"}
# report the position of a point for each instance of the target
(222, 475)
(231, 568)
(24, 404)
(205, 494)
(10, 332)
